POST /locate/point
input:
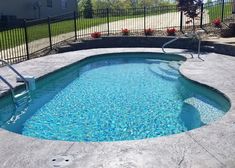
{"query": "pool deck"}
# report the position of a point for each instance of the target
(209, 146)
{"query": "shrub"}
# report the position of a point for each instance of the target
(171, 31)
(148, 32)
(125, 32)
(88, 12)
(217, 22)
(191, 9)
(96, 35)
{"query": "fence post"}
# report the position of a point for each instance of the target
(222, 12)
(107, 13)
(49, 31)
(26, 39)
(201, 21)
(75, 25)
(181, 21)
(144, 18)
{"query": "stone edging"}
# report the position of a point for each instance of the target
(148, 41)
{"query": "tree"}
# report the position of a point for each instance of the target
(209, 1)
(148, 3)
(190, 8)
(233, 7)
(87, 9)
(100, 4)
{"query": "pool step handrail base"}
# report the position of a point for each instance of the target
(25, 94)
(191, 35)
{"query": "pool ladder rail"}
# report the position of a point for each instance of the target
(197, 35)
(22, 99)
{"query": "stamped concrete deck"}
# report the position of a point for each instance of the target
(209, 146)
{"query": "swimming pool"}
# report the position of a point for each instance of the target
(116, 97)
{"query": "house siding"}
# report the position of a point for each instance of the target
(24, 9)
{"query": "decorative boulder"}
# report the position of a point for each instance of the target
(228, 32)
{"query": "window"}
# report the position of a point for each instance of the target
(49, 3)
(64, 4)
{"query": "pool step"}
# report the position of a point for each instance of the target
(156, 70)
(169, 70)
(156, 61)
(190, 117)
(22, 94)
(175, 65)
(22, 99)
(208, 112)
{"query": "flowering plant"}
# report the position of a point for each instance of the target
(191, 9)
(148, 32)
(217, 22)
(125, 31)
(96, 35)
(171, 31)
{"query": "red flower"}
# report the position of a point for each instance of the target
(148, 31)
(217, 22)
(96, 35)
(125, 31)
(171, 31)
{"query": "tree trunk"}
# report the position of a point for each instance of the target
(233, 6)
(194, 25)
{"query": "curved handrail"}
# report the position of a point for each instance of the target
(185, 35)
(171, 41)
(16, 72)
(10, 86)
(17, 99)
(6, 82)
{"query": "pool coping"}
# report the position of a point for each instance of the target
(208, 146)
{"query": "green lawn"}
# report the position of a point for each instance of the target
(216, 11)
(15, 37)
(41, 31)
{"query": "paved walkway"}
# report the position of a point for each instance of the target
(230, 41)
(211, 146)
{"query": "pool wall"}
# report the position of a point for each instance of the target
(71, 72)
(155, 42)
(213, 93)
(5, 96)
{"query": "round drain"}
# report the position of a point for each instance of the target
(61, 160)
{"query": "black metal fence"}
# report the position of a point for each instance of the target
(29, 39)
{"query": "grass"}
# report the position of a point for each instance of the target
(216, 11)
(15, 37)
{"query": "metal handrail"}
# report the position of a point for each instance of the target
(10, 86)
(16, 72)
(184, 35)
(6, 82)
(171, 41)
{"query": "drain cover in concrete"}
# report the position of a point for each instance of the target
(61, 161)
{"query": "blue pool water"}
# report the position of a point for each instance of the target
(113, 99)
